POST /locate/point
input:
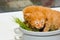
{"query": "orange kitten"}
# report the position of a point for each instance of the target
(37, 16)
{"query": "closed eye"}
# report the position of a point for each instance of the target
(36, 22)
(42, 21)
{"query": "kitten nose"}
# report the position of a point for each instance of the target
(39, 26)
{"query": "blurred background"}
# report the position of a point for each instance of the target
(19, 5)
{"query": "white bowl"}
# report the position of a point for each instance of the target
(31, 35)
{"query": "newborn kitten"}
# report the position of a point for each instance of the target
(37, 16)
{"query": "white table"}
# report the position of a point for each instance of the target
(7, 24)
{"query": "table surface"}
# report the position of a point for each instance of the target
(7, 24)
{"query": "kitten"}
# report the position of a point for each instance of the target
(37, 16)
